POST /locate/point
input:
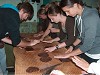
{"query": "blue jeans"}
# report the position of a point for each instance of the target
(3, 62)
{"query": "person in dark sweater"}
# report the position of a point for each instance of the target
(2, 48)
(45, 22)
(68, 32)
(10, 18)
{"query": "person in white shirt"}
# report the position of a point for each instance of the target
(94, 67)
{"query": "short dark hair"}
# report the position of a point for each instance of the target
(28, 8)
(42, 6)
(41, 12)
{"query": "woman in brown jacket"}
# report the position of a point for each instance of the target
(68, 31)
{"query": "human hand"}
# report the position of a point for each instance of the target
(69, 49)
(37, 41)
(66, 55)
(38, 34)
(41, 39)
(57, 72)
(50, 41)
(50, 49)
(34, 42)
(54, 30)
(80, 62)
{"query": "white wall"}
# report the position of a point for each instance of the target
(36, 7)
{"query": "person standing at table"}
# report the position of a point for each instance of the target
(46, 25)
(2, 48)
(44, 21)
(68, 31)
(9, 23)
(88, 24)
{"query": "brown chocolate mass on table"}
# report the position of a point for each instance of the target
(64, 59)
(45, 59)
(29, 48)
(32, 69)
(43, 54)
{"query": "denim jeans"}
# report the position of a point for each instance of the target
(3, 62)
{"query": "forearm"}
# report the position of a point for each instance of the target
(55, 30)
(21, 44)
(73, 45)
(47, 31)
(45, 34)
(77, 41)
(55, 47)
(7, 40)
(70, 54)
(56, 39)
(24, 44)
(61, 45)
(75, 52)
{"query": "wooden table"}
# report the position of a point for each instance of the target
(25, 59)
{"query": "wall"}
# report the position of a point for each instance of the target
(46, 1)
(93, 3)
(28, 27)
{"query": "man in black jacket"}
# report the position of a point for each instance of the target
(10, 19)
